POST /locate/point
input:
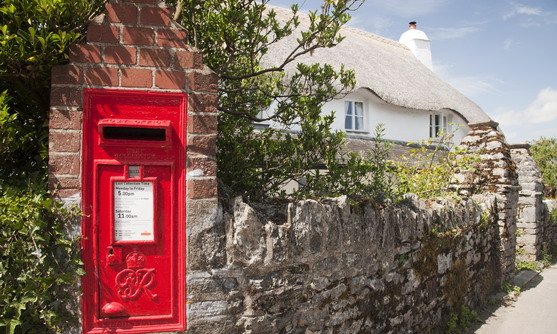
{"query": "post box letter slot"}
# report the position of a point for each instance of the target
(133, 133)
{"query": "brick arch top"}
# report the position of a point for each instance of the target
(133, 45)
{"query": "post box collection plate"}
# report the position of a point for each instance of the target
(133, 212)
(133, 225)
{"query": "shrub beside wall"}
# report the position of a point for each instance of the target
(39, 266)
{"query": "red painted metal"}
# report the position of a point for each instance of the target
(133, 225)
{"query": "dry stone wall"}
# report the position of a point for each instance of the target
(530, 213)
(333, 267)
(537, 228)
(496, 174)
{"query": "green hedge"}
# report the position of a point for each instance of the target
(39, 263)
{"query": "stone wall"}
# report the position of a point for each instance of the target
(332, 267)
(530, 220)
(537, 230)
(495, 174)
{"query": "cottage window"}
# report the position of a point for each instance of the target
(438, 125)
(354, 115)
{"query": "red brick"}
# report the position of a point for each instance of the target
(102, 76)
(170, 79)
(154, 16)
(64, 164)
(138, 36)
(189, 59)
(206, 165)
(55, 182)
(202, 188)
(202, 144)
(202, 103)
(133, 77)
(85, 53)
(152, 2)
(103, 33)
(171, 38)
(202, 123)
(65, 193)
(65, 119)
(204, 82)
(64, 141)
(66, 75)
(125, 13)
(120, 55)
(154, 57)
(65, 96)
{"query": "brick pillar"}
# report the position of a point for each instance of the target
(530, 222)
(495, 175)
(135, 45)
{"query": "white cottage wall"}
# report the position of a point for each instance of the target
(402, 124)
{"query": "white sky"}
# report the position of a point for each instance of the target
(501, 54)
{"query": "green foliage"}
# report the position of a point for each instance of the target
(544, 152)
(509, 288)
(38, 263)
(553, 216)
(527, 265)
(427, 170)
(34, 36)
(459, 323)
(235, 37)
(484, 218)
(546, 259)
(359, 176)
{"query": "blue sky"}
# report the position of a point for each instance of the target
(501, 54)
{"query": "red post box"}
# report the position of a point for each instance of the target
(133, 211)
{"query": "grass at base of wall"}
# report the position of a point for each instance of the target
(459, 322)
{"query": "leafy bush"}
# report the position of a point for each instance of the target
(235, 38)
(39, 263)
(544, 152)
(39, 259)
(34, 36)
(428, 169)
(359, 176)
(527, 265)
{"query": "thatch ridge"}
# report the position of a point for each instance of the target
(386, 67)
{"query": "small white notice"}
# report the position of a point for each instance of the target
(133, 211)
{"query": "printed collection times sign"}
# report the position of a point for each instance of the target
(134, 211)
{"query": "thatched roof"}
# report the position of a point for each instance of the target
(387, 68)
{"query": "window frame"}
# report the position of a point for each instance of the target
(438, 122)
(353, 116)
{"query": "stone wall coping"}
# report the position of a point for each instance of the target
(480, 125)
(520, 146)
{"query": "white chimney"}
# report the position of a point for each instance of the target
(417, 41)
